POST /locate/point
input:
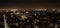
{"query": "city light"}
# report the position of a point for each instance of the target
(36, 18)
(14, 10)
(23, 17)
(40, 9)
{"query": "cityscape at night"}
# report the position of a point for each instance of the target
(30, 14)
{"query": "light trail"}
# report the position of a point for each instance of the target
(5, 23)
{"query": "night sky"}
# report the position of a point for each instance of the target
(29, 4)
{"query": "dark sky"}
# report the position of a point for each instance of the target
(29, 4)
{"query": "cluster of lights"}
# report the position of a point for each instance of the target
(40, 9)
(14, 10)
(23, 17)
